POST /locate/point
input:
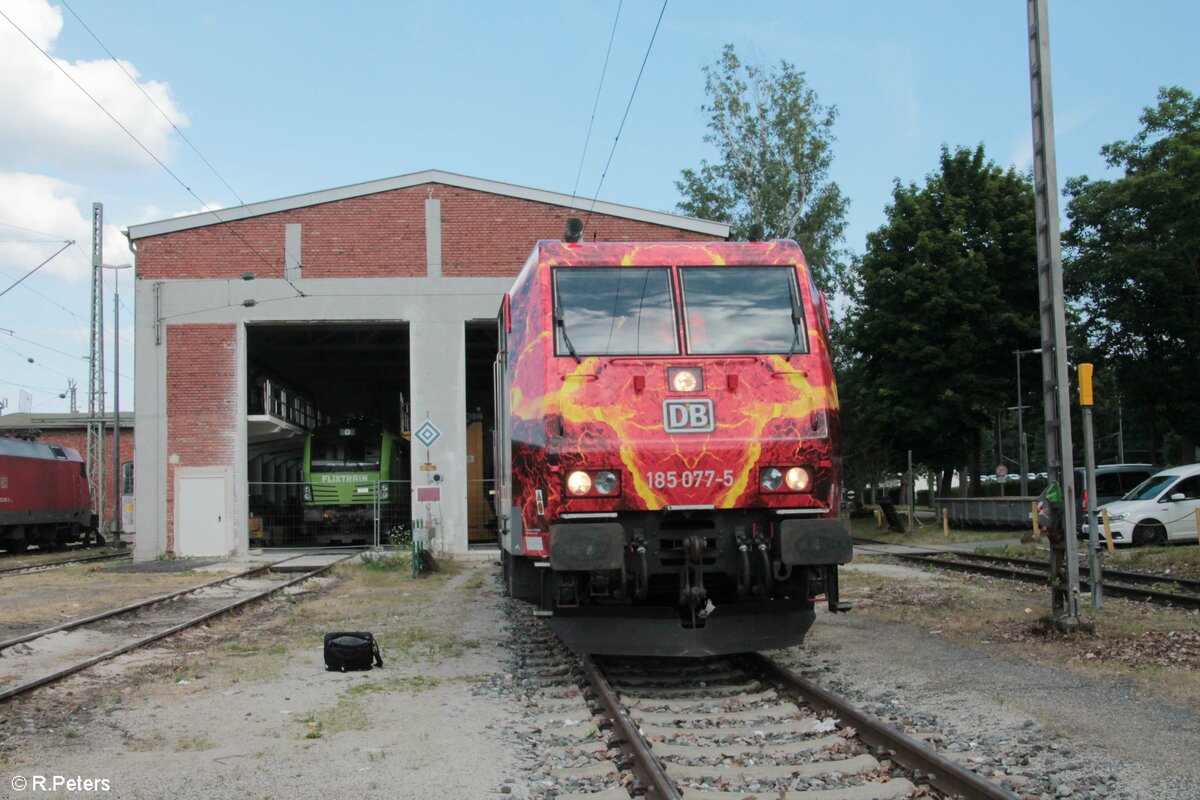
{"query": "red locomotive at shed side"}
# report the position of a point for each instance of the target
(44, 496)
(668, 480)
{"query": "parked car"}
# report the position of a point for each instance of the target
(1113, 481)
(1161, 509)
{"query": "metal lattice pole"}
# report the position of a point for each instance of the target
(95, 435)
(1064, 568)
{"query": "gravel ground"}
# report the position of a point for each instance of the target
(244, 709)
(1051, 732)
(416, 729)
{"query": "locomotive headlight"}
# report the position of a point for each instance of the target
(383, 491)
(606, 482)
(308, 493)
(797, 479)
(579, 483)
(771, 479)
(685, 379)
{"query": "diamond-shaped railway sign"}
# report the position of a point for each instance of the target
(427, 434)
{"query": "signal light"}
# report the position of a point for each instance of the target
(685, 379)
(579, 483)
(604, 483)
(794, 479)
(771, 479)
(797, 479)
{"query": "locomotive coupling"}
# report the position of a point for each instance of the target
(692, 593)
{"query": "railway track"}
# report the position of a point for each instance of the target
(1141, 586)
(730, 728)
(8, 572)
(41, 657)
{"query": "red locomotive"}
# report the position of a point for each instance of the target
(44, 496)
(668, 482)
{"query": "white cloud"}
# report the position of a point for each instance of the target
(208, 207)
(52, 207)
(47, 119)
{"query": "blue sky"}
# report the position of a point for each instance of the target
(290, 97)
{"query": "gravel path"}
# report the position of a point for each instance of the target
(1052, 732)
(416, 729)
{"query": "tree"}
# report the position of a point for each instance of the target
(773, 139)
(947, 291)
(1133, 265)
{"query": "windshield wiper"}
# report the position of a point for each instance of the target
(558, 320)
(797, 322)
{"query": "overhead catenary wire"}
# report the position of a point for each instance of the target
(37, 363)
(35, 269)
(54, 236)
(27, 386)
(628, 106)
(33, 361)
(157, 108)
(596, 103)
(150, 153)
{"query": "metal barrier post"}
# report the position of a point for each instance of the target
(377, 507)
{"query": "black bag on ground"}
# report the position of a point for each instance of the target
(351, 651)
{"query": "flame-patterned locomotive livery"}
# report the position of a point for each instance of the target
(668, 481)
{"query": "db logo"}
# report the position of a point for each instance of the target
(688, 416)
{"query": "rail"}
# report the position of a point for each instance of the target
(58, 674)
(9, 572)
(749, 671)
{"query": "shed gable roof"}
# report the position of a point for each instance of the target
(223, 215)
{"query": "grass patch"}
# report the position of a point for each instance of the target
(194, 743)
(1180, 560)
(350, 714)
(928, 532)
(399, 683)
(387, 561)
(406, 615)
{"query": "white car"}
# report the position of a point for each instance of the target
(1161, 509)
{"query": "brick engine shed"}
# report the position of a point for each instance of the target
(376, 300)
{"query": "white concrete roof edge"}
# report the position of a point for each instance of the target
(265, 207)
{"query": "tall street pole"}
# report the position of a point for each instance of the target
(1059, 497)
(1089, 451)
(116, 529)
(117, 497)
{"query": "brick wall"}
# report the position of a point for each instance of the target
(491, 235)
(202, 402)
(375, 236)
(382, 235)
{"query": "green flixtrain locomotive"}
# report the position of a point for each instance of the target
(355, 472)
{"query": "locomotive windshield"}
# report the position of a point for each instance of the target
(614, 311)
(742, 310)
(334, 453)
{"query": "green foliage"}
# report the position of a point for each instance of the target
(773, 141)
(398, 554)
(947, 291)
(1133, 264)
